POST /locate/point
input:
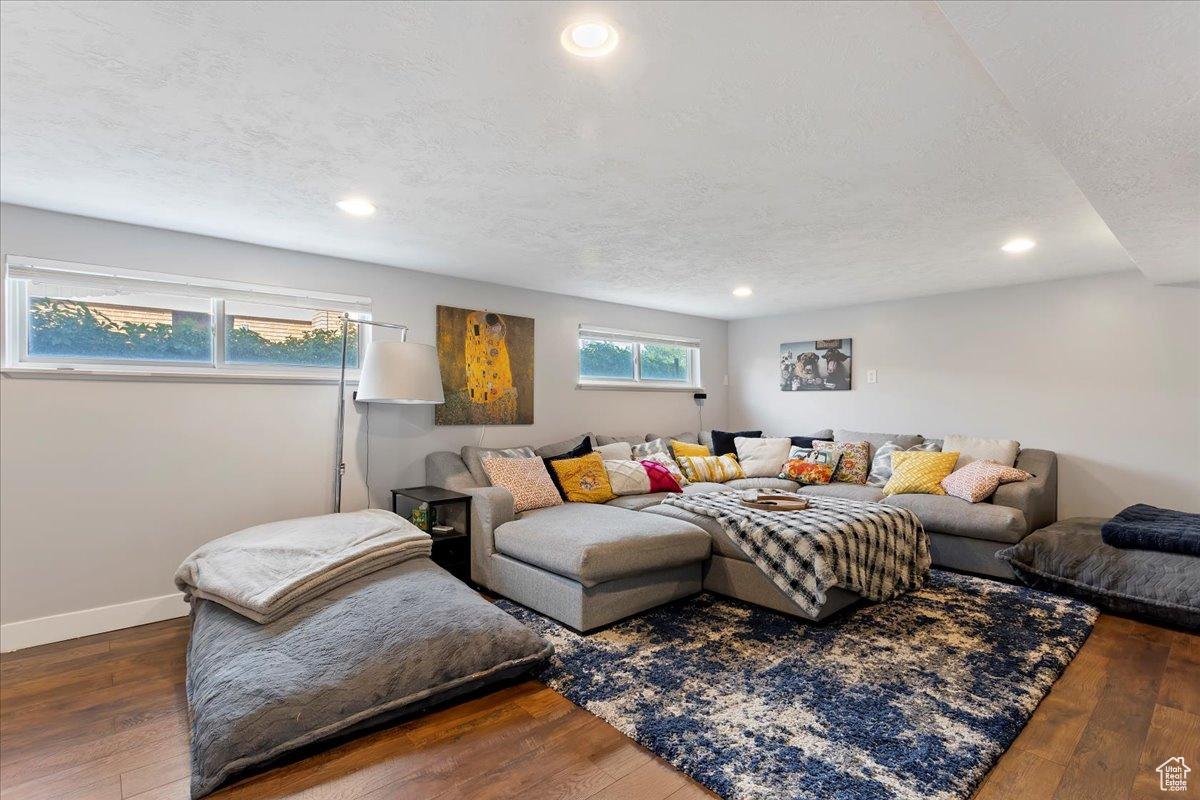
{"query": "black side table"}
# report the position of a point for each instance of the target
(451, 550)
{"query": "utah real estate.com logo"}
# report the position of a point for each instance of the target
(1172, 775)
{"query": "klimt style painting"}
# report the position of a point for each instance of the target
(487, 367)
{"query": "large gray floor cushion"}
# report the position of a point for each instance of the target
(592, 544)
(1069, 557)
(393, 642)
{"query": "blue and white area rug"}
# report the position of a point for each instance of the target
(913, 698)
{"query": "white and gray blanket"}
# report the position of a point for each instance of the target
(876, 550)
(264, 572)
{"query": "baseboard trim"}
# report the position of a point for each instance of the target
(73, 624)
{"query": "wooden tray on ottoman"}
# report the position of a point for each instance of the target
(776, 502)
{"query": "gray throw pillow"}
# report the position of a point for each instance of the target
(647, 449)
(881, 464)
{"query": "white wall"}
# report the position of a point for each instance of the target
(105, 485)
(1104, 370)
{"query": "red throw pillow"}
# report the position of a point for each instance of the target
(661, 479)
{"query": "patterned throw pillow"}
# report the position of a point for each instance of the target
(711, 469)
(919, 473)
(628, 477)
(881, 465)
(647, 449)
(584, 479)
(855, 460)
(978, 480)
(806, 472)
(527, 480)
(679, 449)
(661, 479)
(668, 462)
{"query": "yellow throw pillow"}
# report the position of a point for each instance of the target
(711, 469)
(915, 472)
(683, 449)
(584, 479)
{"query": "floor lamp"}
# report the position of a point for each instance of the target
(399, 372)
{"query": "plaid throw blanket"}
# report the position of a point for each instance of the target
(876, 550)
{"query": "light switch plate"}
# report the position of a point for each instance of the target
(871, 376)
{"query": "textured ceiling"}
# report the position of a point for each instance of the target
(822, 153)
(1113, 89)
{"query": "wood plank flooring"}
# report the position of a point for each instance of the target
(104, 718)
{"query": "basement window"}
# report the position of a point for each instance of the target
(616, 359)
(62, 316)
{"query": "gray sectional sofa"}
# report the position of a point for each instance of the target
(588, 565)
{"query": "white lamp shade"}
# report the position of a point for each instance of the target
(400, 372)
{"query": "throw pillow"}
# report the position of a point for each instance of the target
(527, 480)
(679, 448)
(806, 472)
(723, 441)
(615, 451)
(711, 469)
(652, 447)
(919, 473)
(584, 479)
(473, 458)
(669, 463)
(761, 458)
(828, 458)
(978, 480)
(973, 448)
(627, 477)
(855, 460)
(661, 479)
(581, 449)
(881, 464)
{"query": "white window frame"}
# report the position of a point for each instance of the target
(19, 270)
(637, 382)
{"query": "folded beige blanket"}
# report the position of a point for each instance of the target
(264, 572)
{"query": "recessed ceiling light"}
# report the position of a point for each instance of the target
(590, 39)
(357, 206)
(743, 291)
(1018, 246)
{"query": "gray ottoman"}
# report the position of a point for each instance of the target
(1070, 558)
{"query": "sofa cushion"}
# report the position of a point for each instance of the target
(652, 447)
(779, 484)
(680, 449)
(704, 487)
(722, 544)
(688, 438)
(711, 469)
(526, 479)
(602, 440)
(945, 514)
(636, 502)
(853, 462)
(592, 544)
(975, 448)
(877, 440)
(583, 448)
(473, 458)
(583, 479)
(881, 462)
(848, 491)
(565, 446)
(919, 473)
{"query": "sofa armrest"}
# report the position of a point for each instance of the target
(1037, 497)
(491, 507)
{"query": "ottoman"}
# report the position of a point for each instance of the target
(1070, 558)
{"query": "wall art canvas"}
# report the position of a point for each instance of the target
(822, 365)
(487, 367)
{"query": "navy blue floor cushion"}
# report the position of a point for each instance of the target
(388, 644)
(1151, 528)
(1070, 557)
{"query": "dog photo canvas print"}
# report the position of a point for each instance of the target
(818, 366)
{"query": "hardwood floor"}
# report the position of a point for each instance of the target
(104, 718)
